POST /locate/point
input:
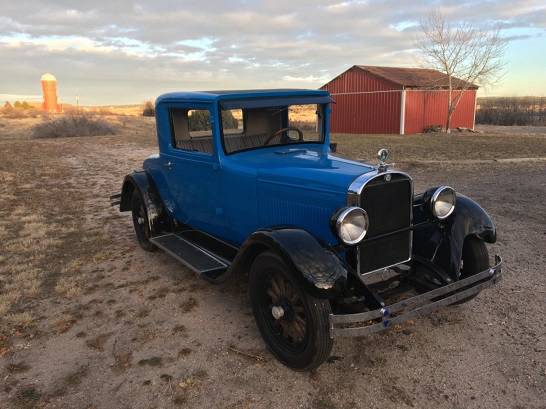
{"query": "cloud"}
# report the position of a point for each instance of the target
(20, 97)
(308, 79)
(120, 51)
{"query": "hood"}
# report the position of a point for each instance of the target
(303, 166)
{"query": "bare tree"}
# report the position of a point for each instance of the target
(468, 56)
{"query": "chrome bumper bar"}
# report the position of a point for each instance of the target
(351, 325)
(115, 199)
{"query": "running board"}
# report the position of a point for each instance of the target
(192, 254)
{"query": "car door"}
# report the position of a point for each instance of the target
(191, 167)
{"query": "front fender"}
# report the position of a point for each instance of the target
(320, 271)
(442, 242)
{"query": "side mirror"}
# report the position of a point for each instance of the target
(333, 147)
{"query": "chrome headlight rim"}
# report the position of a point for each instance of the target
(342, 215)
(435, 197)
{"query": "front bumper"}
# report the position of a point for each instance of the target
(115, 199)
(350, 325)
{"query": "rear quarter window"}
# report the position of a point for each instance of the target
(191, 130)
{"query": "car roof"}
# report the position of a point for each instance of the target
(226, 95)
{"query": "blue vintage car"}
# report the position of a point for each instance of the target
(246, 182)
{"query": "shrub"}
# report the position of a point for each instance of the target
(12, 113)
(304, 125)
(229, 121)
(73, 125)
(511, 111)
(19, 111)
(199, 120)
(104, 111)
(433, 129)
(149, 109)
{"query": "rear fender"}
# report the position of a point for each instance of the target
(319, 270)
(143, 183)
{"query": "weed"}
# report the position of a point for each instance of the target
(98, 342)
(69, 287)
(154, 361)
(189, 305)
(17, 367)
(184, 352)
(21, 319)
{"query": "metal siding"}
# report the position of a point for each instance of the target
(364, 113)
(425, 108)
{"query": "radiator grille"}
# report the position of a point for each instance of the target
(388, 204)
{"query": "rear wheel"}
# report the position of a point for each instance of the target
(293, 324)
(140, 222)
(475, 260)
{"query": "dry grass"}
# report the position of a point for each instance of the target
(71, 281)
(70, 287)
(73, 278)
(20, 319)
(455, 146)
(73, 125)
(41, 245)
(18, 113)
(7, 299)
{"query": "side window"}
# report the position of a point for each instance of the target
(192, 130)
(233, 122)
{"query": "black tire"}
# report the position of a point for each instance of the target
(140, 222)
(475, 259)
(299, 345)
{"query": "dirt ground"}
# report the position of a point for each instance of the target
(89, 320)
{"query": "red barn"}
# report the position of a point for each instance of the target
(396, 100)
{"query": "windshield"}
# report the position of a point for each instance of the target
(250, 128)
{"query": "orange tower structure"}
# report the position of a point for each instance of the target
(49, 89)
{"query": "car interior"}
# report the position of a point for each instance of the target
(258, 127)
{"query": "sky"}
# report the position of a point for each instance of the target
(125, 52)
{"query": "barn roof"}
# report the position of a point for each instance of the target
(414, 77)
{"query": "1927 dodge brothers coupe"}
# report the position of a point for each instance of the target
(245, 181)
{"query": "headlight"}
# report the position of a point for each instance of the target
(443, 202)
(352, 225)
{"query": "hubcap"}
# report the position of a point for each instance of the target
(277, 312)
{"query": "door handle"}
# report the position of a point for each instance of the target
(168, 164)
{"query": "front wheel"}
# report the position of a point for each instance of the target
(293, 324)
(475, 260)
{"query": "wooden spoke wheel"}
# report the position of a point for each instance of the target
(287, 310)
(293, 323)
(140, 222)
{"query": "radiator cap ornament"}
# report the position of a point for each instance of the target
(382, 155)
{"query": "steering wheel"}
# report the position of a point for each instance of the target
(290, 128)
